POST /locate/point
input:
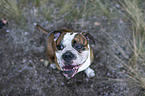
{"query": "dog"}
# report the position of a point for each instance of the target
(70, 51)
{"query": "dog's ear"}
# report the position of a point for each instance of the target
(88, 37)
(55, 33)
(51, 38)
(58, 32)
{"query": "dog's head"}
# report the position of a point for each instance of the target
(72, 51)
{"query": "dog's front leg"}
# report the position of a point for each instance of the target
(90, 72)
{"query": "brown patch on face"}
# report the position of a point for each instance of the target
(58, 41)
(80, 42)
(80, 39)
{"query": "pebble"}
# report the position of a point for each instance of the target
(117, 5)
(7, 31)
(120, 21)
(119, 66)
(26, 33)
(62, 84)
(34, 24)
(46, 62)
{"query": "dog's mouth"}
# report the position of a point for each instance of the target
(70, 70)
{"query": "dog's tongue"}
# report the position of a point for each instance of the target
(69, 73)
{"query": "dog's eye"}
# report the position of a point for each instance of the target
(60, 47)
(74, 42)
(79, 47)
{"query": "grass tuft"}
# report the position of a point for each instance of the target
(10, 9)
(135, 65)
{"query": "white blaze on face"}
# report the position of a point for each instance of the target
(66, 42)
(82, 57)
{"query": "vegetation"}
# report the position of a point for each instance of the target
(136, 62)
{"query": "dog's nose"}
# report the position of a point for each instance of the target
(67, 56)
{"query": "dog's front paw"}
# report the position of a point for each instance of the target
(90, 72)
(53, 66)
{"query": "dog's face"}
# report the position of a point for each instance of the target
(72, 53)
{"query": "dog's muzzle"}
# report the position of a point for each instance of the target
(69, 69)
(68, 57)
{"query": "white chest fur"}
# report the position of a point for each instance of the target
(87, 63)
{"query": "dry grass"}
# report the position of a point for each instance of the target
(68, 10)
(134, 76)
(103, 7)
(10, 9)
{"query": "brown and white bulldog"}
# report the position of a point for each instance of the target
(70, 51)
